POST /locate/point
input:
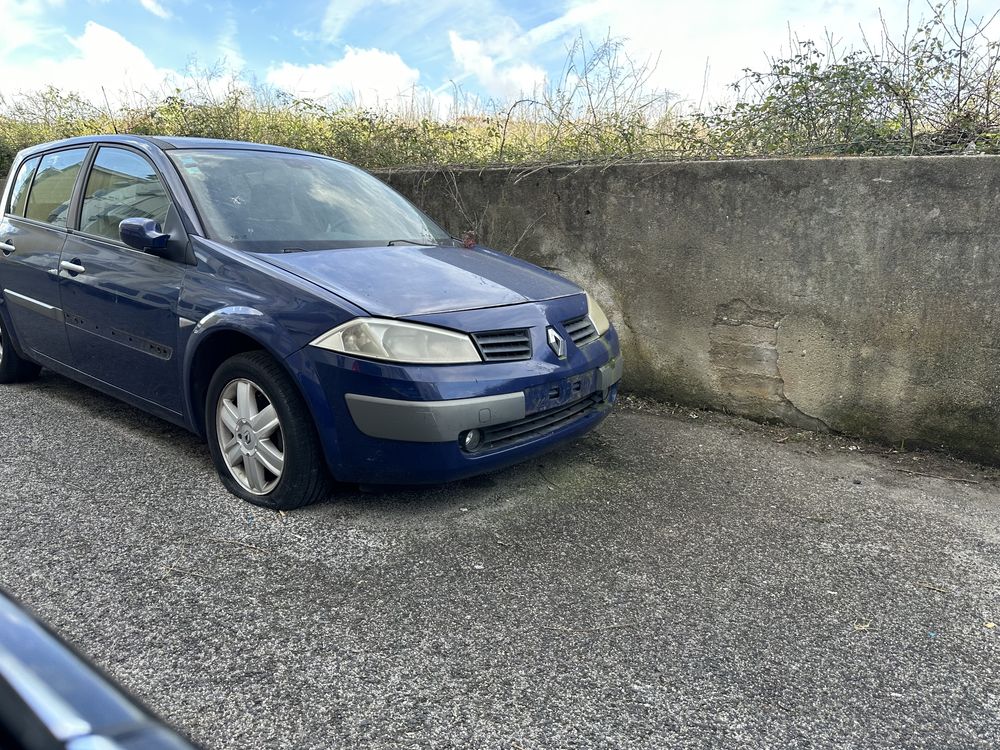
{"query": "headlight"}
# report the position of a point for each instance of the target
(396, 341)
(597, 316)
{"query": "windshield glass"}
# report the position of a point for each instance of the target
(267, 201)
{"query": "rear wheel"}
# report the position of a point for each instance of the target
(13, 367)
(261, 435)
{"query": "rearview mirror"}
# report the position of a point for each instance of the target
(143, 234)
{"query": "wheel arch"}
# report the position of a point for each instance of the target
(218, 337)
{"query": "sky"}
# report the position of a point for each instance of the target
(381, 51)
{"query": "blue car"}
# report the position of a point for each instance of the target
(304, 318)
(51, 698)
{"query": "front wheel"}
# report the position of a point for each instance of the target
(13, 367)
(261, 435)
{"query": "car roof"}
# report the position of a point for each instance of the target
(164, 143)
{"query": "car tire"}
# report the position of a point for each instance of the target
(13, 367)
(261, 435)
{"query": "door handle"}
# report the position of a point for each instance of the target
(7, 247)
(73, 266)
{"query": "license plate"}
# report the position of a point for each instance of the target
(559, 392)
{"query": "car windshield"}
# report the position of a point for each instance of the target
(267, 201)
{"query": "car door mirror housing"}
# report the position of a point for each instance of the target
(144, 234)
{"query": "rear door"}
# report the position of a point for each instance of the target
(32, 234)
(120, 303)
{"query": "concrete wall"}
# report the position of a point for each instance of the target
(858, 295)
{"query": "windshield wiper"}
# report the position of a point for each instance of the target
(390, 243)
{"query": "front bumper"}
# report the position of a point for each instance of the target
(443, 421)
(384, 423)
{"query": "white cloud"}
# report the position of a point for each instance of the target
(24, 24)
(98, 57)
(370, 77)
(155, 8)
(492, 71)
(229, 46)
(338, 14)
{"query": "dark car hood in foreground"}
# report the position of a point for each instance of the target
(414, 280)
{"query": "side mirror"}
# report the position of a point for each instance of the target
(143, 234)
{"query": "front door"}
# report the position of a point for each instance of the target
(121, 304)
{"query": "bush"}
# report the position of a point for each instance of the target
(932, 91)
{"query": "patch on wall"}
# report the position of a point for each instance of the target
(744, 357)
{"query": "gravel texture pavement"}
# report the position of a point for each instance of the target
(675, 579)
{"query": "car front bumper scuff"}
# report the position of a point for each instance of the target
(610, 373)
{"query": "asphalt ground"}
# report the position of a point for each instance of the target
(675, 579)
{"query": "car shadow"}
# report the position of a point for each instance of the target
(68, 396)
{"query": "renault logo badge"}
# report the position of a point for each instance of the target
(556, 342)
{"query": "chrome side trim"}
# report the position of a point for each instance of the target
(215, 315)
(431, 421)
(30, 303)
(183, 322)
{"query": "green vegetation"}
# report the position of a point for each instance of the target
(930, 90)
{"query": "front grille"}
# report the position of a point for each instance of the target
(581, 330)
(538, 424)
(504, 346)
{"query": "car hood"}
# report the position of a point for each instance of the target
(406, 280)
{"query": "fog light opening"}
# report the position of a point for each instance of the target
(470, 440)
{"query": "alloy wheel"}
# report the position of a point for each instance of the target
(249, 434)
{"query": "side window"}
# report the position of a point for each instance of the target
(52, 188)
(122, 185)
(19, 192)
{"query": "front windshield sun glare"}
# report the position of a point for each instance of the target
(270, 201)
